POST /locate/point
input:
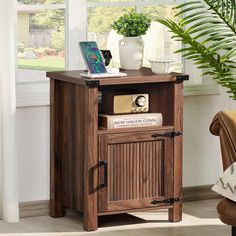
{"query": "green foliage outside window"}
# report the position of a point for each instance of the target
(41, 1)
(158, 11)
(32, 1)
(100, 18)
(58, 40)
(48, 19)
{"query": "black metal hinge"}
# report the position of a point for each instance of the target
(167, 201)
(168, 135)
(92, 83)
(181, 78)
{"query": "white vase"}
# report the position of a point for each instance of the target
(131, 53)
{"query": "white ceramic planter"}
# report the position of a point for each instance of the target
(131, 53)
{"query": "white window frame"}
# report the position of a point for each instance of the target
(36, 93)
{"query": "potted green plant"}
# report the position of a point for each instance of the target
(208, 30)
(131, 25)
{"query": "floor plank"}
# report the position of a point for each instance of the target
(199, 219)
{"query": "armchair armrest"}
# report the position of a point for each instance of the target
(224, 126)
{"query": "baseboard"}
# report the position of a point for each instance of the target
(195, 193)
(35, 208)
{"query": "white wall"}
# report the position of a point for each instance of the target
(202, 157)
(33, 153)
(202, 164)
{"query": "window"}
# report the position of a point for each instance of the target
(40, 38)
(157, 41)
(49, 32)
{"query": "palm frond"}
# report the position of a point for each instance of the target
(208, 29)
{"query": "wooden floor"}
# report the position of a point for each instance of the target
(199, 219)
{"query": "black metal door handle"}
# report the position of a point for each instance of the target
(168, 135)
(104, 184)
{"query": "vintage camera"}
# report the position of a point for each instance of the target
(125, 102)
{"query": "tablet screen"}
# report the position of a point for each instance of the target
(92, 57)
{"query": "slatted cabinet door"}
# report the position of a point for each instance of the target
(134, 169)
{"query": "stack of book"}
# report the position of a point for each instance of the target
(129, 121)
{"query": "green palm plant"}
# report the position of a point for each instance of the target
(207, 28)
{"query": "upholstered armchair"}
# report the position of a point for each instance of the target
(224, 126)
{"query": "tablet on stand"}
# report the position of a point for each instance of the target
(94, 62)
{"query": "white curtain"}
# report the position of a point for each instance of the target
(8, 163)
